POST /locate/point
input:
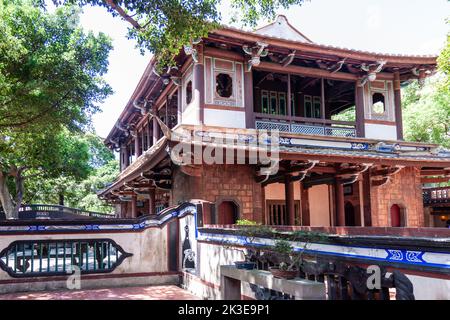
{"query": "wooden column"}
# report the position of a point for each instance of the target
(149, 135)
(155, 131)
(124, 157)
(359, 101)
(137, 144)
(248, 100)
(340, 206)
(322, 105)
(361, 200)
(290, 204)
(123, 210)
(143, 140)
(398, 105)
(289, 102)
(366, 199)
(198, 84)
(152, 202)
(180, 106)
(134, 206)
(304, 205)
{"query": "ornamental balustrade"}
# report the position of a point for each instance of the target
(306, 126)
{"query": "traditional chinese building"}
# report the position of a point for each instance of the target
(332, 172)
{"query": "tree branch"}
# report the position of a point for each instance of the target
(123, 14)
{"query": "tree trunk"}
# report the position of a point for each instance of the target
(5, 198)
(61, 199)
(19, 193)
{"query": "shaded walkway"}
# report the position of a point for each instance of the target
(170, 292)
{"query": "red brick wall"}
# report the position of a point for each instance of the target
(405, 190)
(222, 183)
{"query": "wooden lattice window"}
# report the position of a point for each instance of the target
(277, 214)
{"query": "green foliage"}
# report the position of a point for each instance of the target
(50, 84)
(426, 112)
(283, 247)
(346, 115)
(444, 65)
(50, 70)
(244, 222)
(164, 26)
(78, 192)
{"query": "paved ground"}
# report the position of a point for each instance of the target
(127, 293)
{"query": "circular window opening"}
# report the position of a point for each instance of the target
(189, 92)
(224, 85)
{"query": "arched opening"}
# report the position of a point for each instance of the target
(189, 92)
(396, 216)
(228, 213)
(378, 106)
(224, 85)
(350, 219)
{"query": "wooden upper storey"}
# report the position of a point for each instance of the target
(274, 78)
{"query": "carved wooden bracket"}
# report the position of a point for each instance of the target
(384, 176)
(256, 52)
(371, 71)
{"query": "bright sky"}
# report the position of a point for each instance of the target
(400, 26)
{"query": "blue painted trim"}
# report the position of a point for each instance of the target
(136, 226)
(242, 240)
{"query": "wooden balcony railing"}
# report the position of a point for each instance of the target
(436, 196)
(308, 126)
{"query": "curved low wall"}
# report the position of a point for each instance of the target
(150, 246)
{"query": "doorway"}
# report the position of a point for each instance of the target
(228, 213)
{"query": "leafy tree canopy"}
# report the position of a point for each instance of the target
(50, 70)
(426, 112)
(76, 193)
(164, 26)
(50, 83)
